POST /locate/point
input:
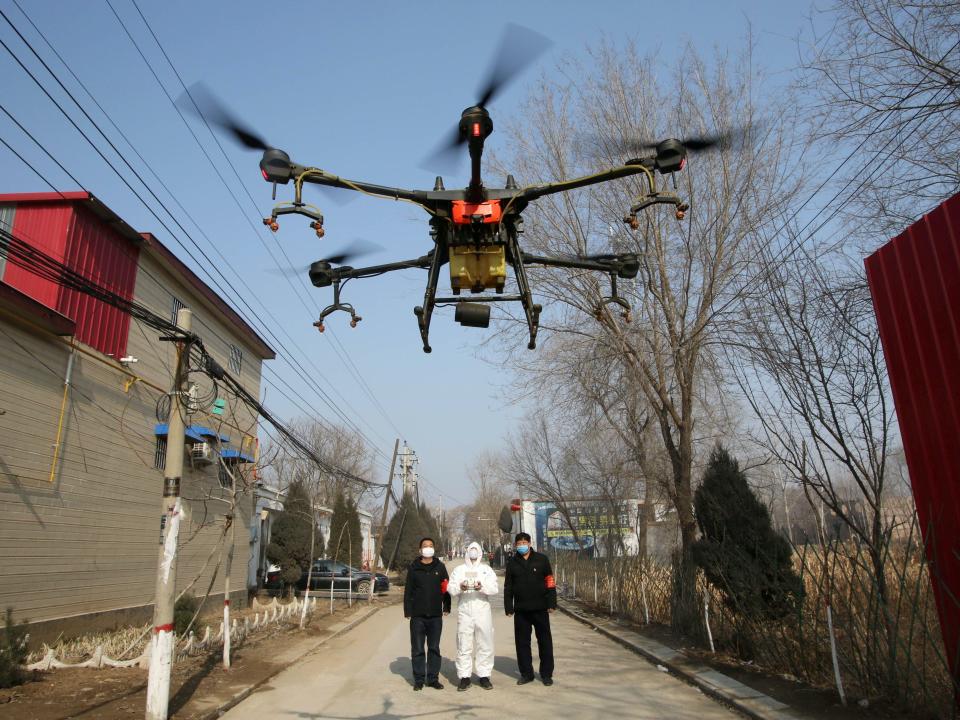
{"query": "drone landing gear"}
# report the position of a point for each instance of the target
(614, 299)
(296, 208)
(655, 198)
(337, 305)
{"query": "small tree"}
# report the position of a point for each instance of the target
(13, 652)
(290, 538)
(346, 542)
(401, 542)
(740, 552)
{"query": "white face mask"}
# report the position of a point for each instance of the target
(427, 552)
(473, 554)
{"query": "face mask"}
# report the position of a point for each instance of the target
(473, 554)
(427, 552)
(522, 549)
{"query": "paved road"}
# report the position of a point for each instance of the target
(366, 674)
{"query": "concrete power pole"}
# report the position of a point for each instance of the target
(161, 646)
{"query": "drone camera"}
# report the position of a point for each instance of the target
(473, 315)
(275, 166)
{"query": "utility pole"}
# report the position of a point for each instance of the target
(162, 643)
(378, 547)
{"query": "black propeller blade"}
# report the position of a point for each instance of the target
(519, 48)
(695, 143)
(200, 100)
(355, 249)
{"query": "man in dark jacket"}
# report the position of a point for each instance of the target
(425, 602)
(530, 595)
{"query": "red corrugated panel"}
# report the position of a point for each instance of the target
(915, 283)
(43, 226)
(97, 252)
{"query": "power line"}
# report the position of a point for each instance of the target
(338, 348)
(302, 371)
(18, 252)
(797, 241)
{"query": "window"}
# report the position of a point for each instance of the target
(160, 455)
(236, 359)
(177, 306)
(6, 223)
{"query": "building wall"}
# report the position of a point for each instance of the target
(80, 550)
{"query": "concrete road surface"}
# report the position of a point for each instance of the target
(366, 674)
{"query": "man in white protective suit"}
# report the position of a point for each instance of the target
(473, 583)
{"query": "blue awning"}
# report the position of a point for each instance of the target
(236, 455)
(197, 433)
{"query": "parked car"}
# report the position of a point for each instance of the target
(342, 577)
(272, 579)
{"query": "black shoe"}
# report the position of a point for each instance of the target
(418, 686)
(464, 684)
(436, 685)
(547, 681)
(525, 680)
(486, 684)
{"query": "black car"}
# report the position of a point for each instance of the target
(342, 577)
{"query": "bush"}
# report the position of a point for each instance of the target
(740, 552)
(183, 612)
(13, 653)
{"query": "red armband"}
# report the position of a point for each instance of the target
(551, 583)
(443, 586)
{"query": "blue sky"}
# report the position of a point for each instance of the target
(361, 89)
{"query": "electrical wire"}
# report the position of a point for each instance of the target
(339, 349)
(16, 251)
(266, 329)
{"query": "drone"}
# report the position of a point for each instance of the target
(476, 230)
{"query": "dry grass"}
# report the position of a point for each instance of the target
(892, 650)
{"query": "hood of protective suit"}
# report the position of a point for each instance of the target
(466, 558)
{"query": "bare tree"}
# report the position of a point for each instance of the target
(339, 448)
(814, 374)
(491, 491)
(885, 76)
(687, 267)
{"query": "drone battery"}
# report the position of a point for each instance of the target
(472, 315)
(478, 268)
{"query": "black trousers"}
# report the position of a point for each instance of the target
(539, 621)
(425, 630)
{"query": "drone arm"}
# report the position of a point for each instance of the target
(320, 177)
(346, 273)
(602, 265)
(645, 165)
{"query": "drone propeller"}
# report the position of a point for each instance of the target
(356, 248)
(201, 101)
(519, 47)
(695, 143)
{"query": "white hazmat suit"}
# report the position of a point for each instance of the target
(474, 618)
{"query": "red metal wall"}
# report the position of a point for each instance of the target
(43, 226)
(106, 258)
(915, 283)
(72, 234)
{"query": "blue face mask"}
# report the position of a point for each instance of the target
(522, 549)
